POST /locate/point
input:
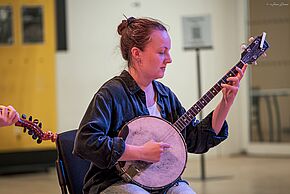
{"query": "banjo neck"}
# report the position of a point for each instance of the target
(250, 55)
(189, 115)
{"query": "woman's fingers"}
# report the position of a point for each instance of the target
(164, 145)
(244, 68)
(233, 80)
(251, 39)
(230, 87)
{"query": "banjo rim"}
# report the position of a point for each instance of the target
(123, 171)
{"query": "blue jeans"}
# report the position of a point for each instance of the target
(128, 188)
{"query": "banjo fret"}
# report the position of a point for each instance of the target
(189, 115)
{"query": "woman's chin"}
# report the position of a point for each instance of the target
(160, 76)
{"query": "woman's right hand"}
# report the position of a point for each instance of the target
(152, 151)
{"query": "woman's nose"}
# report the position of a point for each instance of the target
(168, 59)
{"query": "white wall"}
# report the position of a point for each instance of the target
(93, 55)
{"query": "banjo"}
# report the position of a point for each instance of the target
(159, 175)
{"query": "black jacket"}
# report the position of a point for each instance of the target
(118, 101)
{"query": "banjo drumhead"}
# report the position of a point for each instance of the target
(172, 161)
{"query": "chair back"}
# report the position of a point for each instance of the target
(71, 169)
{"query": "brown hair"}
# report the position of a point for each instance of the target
(136, 33)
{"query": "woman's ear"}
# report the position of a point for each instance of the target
(136, 53)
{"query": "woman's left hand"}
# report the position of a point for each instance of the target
(231, 89)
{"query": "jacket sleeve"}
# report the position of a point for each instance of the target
(92, 141)
(200, 136)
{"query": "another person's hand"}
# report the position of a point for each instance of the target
(8, 116)
(152, 151)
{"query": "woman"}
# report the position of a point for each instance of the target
(8, 116)
(145, 45)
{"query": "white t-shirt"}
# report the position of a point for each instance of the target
(154, 110)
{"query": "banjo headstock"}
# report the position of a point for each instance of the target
(255, 49)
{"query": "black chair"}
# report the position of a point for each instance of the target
(70, 168)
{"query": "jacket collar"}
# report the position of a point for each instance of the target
(130, 83)
(133, 87)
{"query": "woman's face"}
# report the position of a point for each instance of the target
(155, 56)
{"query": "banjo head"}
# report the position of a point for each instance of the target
(172, 163)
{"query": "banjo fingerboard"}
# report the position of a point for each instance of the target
(189, 115)
(250, 55)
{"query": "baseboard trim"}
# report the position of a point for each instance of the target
(27, 161)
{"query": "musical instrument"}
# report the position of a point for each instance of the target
(34, 129)
(155, 176)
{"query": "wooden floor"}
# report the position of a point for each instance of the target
(230, 175)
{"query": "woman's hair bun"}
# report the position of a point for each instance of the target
(122, 27)
(125, 24)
